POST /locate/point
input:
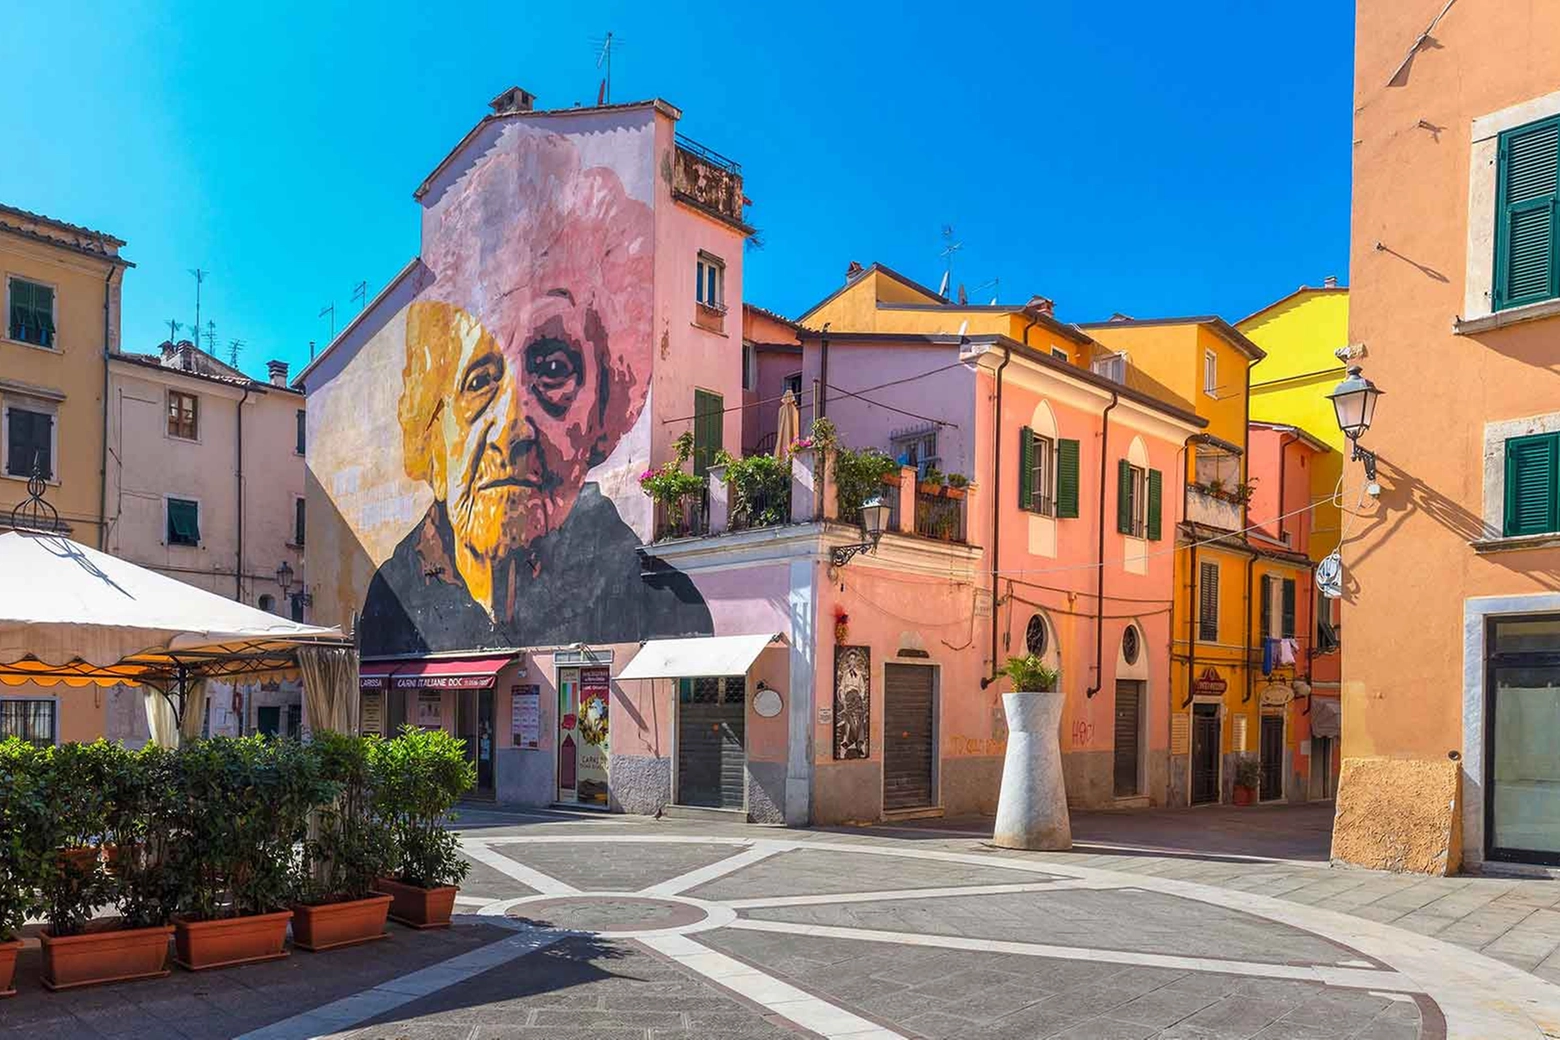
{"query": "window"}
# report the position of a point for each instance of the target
(31, 318)
(297, 606)
(183, 415)
(710, 281)
(1327, 629)
(916, 448)
(268, 603)
(1211, 374)
(748, 364)
(1111, 366)
(29, 442)
(1139, 501)
(708, 429)
(183, 522)
(1131, 645)
(1036, 461)
(1527, 215)
(1037, 638)
(1278, 607)
(1208, 602)
(793, 383)
(297, 521)
(31, 720)
(1061, 355)
(302, 427)
(1532, 485)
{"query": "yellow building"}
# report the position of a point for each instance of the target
(1303, 334)
(61, 317)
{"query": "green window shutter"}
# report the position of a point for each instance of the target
(1026, 467)
(21, 308)
(1208, 603)
(1527, 209)
(183, 522)
(43, 311)
(1066, 478)
(1123, 496)
(708, 427)
(1156, 494)
(1288, 631)
(1265, 625)
(1531, 484)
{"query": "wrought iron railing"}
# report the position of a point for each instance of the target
(764, 507)
(939, 516)
(688, 518)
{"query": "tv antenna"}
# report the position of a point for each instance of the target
(234, 346)
(174, 326)
(949, 248)
(331, 311)
(360, 294)
(211, 337)
(200, 276)
(605, 46)
(995, 285)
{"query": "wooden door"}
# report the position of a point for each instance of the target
(1205, 753)
(1272, 748)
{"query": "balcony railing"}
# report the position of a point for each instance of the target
(761, 509)
(707, 179)
(1211, 510)
(939, 515)
(689, 518)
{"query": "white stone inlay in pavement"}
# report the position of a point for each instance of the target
(343, 1015)
(543, 883)
(768, 902)
(716, 915)
(782, 998)
(703, 875)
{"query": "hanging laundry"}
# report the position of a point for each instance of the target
(1287, 650)
(1269, 652)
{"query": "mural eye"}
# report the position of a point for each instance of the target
(555, 370)
(480, 383)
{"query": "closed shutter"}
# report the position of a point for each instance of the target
(711, 755)
(1265, 627)
(1066, 478)
(1026, 468)
(298, 507)
(1123, 496)
(1527, 213)
(1288, 631)
(907, 736)
(1208, 603)
(29, 438)
(708, 423)
(1128, 710)
(1156, 496)
(1531, 479)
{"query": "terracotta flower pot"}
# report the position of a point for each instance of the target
(329, 925)
(8, 952)
(198, 945)
(419, 907)
(104, 955)
(83, 859)
(1243, 795)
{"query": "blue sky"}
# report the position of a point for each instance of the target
(1140, 157)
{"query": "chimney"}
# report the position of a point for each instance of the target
(515, 99)
(277, 370)
(853, 270)
(1041, 305)
(1330, 282)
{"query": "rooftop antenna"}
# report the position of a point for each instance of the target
(331, 311)
(234, 346)
(211, 337)
(174, 326)
(949, 248)
(995, 285)
(604, 62)
(200, 276)
(360, 294)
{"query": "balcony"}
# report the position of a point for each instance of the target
(1214, 509)
(708, 181)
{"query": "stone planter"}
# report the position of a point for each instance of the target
(199, 945)
(8, 952)
(1243, 795)
(1032, 804)
(329, 925)
(104, 955)
(419, 907)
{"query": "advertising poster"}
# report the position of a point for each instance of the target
(526, 715)
(595, 693)
(430, 710)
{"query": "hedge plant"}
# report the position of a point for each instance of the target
(23, 807)
(352, 845)
(421, 774)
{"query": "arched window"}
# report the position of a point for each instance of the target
(268, 603)
(1037, 638)
(1131, 644)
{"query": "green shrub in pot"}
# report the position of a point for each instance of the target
(352, 845)
(72, 881)
(22, 811)
(140, 833)
(421, 775)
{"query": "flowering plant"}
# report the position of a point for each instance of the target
(801, 444)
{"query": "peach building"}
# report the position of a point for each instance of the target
(1451, 672)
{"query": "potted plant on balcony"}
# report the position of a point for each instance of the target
(858, 476)
(22, 807)
(420, 775)
(351, 847)
(244, 807)
(1248, 777)
(958, 485)
(760, 489)
(673, 490)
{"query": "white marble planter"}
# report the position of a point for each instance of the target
(1032, 805)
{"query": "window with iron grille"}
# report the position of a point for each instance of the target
(30, 720)
(917, 448)
(1208, 602)
(31, 318)
(183, 415)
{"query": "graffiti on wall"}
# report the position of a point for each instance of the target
(524, 363)
(852, 701)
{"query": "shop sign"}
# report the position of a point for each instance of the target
(1277, 695)
(443, 682)
(371, 682)
(1209, 683)
(526, 715)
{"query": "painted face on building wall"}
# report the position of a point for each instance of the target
(526, 360)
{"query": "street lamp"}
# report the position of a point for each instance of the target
(1354, 400)
(284, 577)
(874, 516)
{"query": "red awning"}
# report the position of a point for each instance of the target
(449, 673)
(375, 675)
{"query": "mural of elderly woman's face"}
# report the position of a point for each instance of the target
(527, 358)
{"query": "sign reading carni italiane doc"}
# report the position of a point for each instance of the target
(478, 433)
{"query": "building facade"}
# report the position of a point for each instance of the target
(62, 287)
(1449, 672)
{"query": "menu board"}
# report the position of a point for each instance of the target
(526, 715)
(373, 713)
(430, 710)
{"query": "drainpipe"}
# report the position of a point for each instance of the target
(820, 407)
(1245, 518)
(1251, 566)
(1191, 590)
(238, 567)
(1099, 587)
(108, 283)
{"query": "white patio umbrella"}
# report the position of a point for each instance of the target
(788, 425)
(70, 614)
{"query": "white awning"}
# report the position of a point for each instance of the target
(699, 656)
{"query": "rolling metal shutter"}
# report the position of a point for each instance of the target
(711, 759)
(907, 736)
(1129, 702)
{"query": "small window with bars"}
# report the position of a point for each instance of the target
(917, 448)
(183, 415)
(1208, 602)
(34, 721)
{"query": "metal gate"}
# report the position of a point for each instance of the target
(711, 755)
(1272, 749)
(1129, 706)
(908, 714)
(1205, 753)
